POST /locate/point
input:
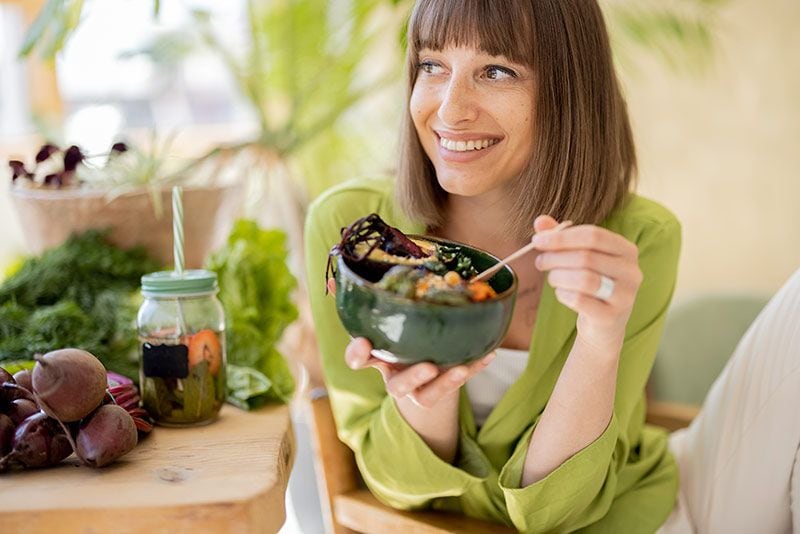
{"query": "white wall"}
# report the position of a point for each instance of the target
(723, 151)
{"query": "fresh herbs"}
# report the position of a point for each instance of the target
(79, 294)
(255, 289)
(450, 258)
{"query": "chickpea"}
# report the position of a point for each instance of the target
(452, 278)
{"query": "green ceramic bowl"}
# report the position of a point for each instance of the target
(408, 331)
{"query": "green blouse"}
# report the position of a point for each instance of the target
(625, 481)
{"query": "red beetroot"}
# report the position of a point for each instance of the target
(23, 378)
(21, 409)
(105, 436)
(69, 384)
(5, 376)
(6, 434)
(38, 442)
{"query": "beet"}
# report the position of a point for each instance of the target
(6, 434)
(21, 409)
(107, 435)
(23, 378)
(10, 391)
(69, 383)
(38, 442)
(5, 376)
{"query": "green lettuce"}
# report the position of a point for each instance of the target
(255, 289)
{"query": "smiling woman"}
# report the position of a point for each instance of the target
(515, 120)
(543, 89)
(473, 111)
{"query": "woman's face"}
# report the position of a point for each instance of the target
(473, 113)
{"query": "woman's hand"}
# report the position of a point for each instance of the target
(576, 259)
(423, 383)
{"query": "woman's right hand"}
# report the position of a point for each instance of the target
(424, 383)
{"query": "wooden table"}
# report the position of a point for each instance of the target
(229, 476)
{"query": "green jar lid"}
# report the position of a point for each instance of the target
(168, 283)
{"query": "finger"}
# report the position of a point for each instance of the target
(443, 385)
(586, 237)
(358, 353)
(331, 283)
(575, 280)
(599, 262)
(405, 381)
(582, 303)
(449, 381)
(544, 223)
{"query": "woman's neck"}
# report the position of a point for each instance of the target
(480, 222)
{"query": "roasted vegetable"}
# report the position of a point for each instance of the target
(412, 268)
(373, 247)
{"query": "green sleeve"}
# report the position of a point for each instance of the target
(580, 491)
(367, 418)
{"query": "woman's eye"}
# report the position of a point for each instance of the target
(496, 72)
(429, 67)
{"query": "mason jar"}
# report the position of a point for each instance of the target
(181, 326)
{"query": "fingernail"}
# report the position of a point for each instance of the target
(489, 357)
(426, 373)
(458, 375)
(566, 297)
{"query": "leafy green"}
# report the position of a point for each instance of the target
(79, 294)
(198, 393)
(15, 366)
(246, 384)
(255, 289)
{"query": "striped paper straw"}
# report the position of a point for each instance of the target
(177, 229)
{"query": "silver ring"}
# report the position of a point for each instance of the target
(606, 289)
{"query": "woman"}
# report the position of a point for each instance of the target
(515, 111)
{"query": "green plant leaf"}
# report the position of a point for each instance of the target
(49, 13)
(255, 289)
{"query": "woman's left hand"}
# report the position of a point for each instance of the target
(577, 259)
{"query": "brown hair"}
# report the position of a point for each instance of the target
(584, 161)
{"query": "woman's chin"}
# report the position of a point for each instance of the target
(463, 186)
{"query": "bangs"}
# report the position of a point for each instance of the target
(499, 28)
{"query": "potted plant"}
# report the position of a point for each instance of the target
(62, 191)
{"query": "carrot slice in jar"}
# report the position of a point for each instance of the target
(205, 345)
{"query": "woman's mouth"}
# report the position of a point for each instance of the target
(466, 146)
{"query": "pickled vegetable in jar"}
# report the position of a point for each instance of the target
(181, 326)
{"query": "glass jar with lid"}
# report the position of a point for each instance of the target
(181, 326)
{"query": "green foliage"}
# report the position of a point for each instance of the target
(51, 29)
(255, 289)
(79, 294)
(306, 66)
(54, 25)
(80, 269)
(679, 33)
(58, 326)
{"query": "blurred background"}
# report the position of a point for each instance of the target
(288, 98)
(713, 87)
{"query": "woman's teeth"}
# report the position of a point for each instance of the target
(466, 146)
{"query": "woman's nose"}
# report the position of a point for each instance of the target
(459, 103)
